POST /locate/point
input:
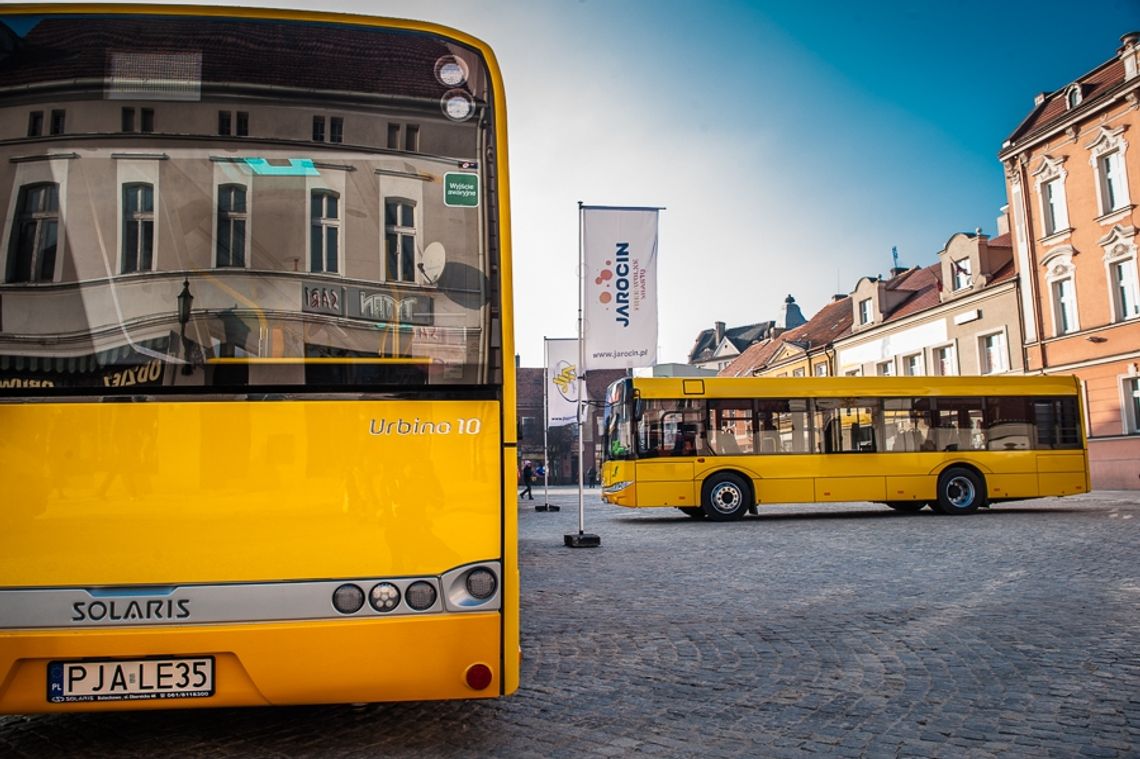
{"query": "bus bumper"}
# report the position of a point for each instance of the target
(265, 664)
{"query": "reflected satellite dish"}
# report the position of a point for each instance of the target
(432, 262)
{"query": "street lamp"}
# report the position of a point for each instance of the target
(185, 300)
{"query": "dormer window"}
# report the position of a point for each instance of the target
(961, 273)
(865, 311)
(1073, 96)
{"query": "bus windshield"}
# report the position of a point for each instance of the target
(243, 204)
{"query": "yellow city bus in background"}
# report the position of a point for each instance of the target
(256, 404)
(717, 447)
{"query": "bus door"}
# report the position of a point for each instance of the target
(852, 467)
(667, 445)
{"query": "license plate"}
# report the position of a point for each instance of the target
(130, 679)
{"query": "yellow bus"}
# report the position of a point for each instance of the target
(257, 434)
(717, 447)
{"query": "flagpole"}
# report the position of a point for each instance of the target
(582, 539)
(546, 505)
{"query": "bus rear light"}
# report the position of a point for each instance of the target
(384, 597)
(481, 583)
(348, 599)
(420, 595)
(478, 676)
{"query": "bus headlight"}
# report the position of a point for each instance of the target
(384, 597)
(481, 583)
(474, 587)
(348, 598)
(617, 487)
(420, 595)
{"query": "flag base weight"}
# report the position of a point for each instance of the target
(582, 540)
(547, 507)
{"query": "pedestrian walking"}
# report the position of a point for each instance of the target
(528, 480)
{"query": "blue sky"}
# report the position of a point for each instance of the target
(792, 144)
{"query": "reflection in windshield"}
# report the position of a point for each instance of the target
(195, 202)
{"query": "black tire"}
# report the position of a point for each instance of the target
(725, 497)
(696, 512)
(960, 491)
(907, 507)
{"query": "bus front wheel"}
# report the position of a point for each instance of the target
(725, 497)
(960, 491)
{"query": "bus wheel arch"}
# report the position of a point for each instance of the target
(961, 490)
(726, 495)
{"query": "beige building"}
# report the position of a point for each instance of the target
(958, 316)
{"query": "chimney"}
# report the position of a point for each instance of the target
(838, 297)
(1003, 221)
(1039, 98)
(1129, 53)
(719, 332)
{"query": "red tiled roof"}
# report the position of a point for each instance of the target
(830, 323)
(754, 357)
(924, 284)
(1094, 85)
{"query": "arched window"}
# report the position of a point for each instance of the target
(32, 249)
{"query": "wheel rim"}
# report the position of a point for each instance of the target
(960, 492)
(726, 498)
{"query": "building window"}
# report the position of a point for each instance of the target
(146, 120)
(412, 138)
(1065, 306)
(961, 269)
(393, 136)
(324, 232)
(865, 311)
(1120, 265)
(226, 122)
(318, 129)
(820, 370)
(57, 121)
(1055, 215)
(800, 372)
(232, 219)
(400, 240)
(912, 365)
(1107, 158)
(35, 123)
(1123, 283)
(1113, 191)
(992, 353)
(138, 227)
(1132, 405)
(885, 368)
(942, 361)
(336, 129)
(31, 251)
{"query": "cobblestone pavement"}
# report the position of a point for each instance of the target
(844, 630)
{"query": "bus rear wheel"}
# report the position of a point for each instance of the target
(725, 497)
(960, 491)
(696, 512)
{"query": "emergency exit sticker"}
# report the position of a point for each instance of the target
(460, 189)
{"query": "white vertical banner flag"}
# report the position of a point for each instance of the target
(619, 257)
(561, 381)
